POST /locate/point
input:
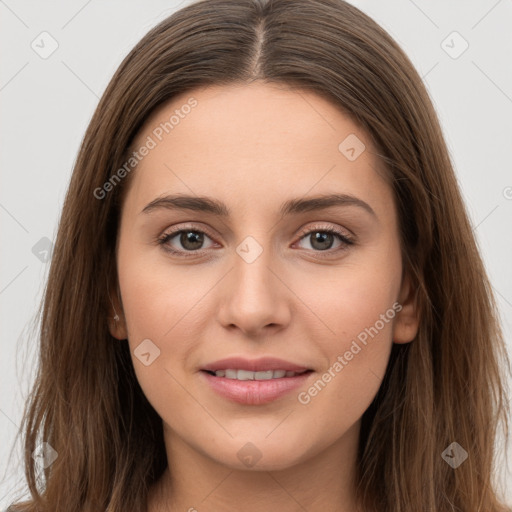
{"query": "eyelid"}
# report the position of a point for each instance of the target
(344, 232)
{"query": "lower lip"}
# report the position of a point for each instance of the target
(254, 392)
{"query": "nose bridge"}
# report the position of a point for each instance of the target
(252, 274)
(253, 296)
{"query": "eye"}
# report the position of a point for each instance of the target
(190, 239)
(322, 238)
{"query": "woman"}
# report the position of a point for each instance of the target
(265, 291)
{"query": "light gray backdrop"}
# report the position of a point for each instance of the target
(57, 58)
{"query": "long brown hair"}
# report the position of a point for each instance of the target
(445, 386)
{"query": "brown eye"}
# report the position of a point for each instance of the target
(322, 239)
(183, 241)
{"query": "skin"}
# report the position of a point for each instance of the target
(253, 147)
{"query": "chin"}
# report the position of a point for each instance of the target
(262, 455)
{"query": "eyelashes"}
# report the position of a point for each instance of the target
(198, 237)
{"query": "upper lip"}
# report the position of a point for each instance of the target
(254, 365)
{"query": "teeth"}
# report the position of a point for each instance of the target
(263, 375)
(248, 375)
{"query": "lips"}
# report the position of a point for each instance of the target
(254, 382)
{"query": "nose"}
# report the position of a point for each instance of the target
(255, 297)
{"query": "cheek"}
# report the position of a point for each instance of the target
(155, 314)
(358, 318)
(160, 305)
(356, 305)
(360, 315)
(348, 299)
(156, 293)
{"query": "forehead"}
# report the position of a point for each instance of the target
(262, 140)
(250, 115)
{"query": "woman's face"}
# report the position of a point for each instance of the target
(248, 268)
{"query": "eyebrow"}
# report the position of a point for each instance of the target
(290, 207)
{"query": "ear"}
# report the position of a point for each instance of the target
(116, 318)
(405, 326)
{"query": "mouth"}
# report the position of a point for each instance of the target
(243, 375)
(255, 382)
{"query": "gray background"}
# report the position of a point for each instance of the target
(47, 103)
